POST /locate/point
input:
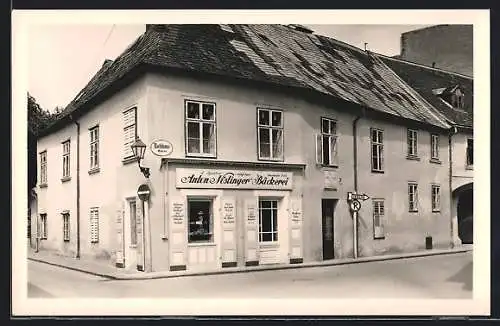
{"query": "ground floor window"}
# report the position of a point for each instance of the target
(268, 220)
(66, 226)
(94, 225)
(378, 216)
(200, 220)
(43, 226)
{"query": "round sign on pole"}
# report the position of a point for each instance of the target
(143, 192)
(161, 148)
(355, 205)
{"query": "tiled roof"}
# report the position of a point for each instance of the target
(427, 81)
(275, 54)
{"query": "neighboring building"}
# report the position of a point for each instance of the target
(452, 95)
(270, 127)
(447, 47)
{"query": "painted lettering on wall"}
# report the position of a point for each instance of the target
(228, 212)
(178, 213)
(206, 178)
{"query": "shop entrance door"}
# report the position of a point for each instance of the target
(327, 210)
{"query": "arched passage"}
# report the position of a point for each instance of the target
(465, 208)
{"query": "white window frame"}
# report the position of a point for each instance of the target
(43, 168)
(201, 122)
(94, 147)
(211, 225)
(274, 227)
(332, 150)
(43, 232)
(66, 227)
(436, 198)
(128, 124)
(271, 128)
(66, 157)
(435, 146)
(412, 142)
(412, 197)
(378, 153)
(378, 216)
(94, 225)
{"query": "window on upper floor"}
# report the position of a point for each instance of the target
(412, 197)
(66, 159)
(434, 147)
(412, 141)
(326, 143)
(377, 149)
(470, 152)
(43, 168)
(436, 198)
(270, 134)
(129, 131)
(201, 135)
(94, 148)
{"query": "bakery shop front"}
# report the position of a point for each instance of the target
(220, 218)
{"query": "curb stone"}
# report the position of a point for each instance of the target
(158, 275)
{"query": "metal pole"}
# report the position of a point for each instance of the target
(355, 232)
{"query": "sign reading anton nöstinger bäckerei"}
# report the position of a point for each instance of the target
(233, 179)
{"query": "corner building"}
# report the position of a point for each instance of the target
(270, 127)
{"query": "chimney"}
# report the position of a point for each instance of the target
(107, 62)
(156, 27)
(301, 28)
(433, 65)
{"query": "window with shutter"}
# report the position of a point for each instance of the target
(378, 217)
(94, 147)
(43, 168)
(129, 131)
(66, 232)
(412, 197)
(94, 225)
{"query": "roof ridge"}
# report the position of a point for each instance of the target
(424, 66)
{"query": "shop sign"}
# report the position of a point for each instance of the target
(161, 148)
(233, 179)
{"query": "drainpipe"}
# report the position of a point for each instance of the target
(453, 131)
(355, 163)
(77, 186)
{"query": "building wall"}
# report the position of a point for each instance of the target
(160, 101)
(462, 174)
(404, 231)
(104, 189)
(449, 46)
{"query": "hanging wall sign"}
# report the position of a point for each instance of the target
(161, 148)
(233, 179)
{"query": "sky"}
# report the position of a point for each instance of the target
(63, 58)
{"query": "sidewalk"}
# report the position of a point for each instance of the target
(106, 270)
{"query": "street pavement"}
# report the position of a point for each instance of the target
(432, 277)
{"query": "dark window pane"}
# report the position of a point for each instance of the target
(193, 110)
(267, 237)
(266, 220)
(326, 150)
(275, 220)
(208, 138)
(265, 204)
(276, 119)
(200, 224)
(264, 142)
(277, 142)
(325, 126)
(193, 137)
(264, 117)
(208, 112)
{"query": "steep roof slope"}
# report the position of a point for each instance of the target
(275, 54)
(425, 80)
